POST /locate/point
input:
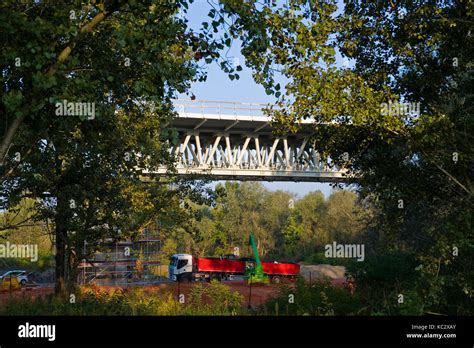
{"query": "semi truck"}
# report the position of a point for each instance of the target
(186, 267)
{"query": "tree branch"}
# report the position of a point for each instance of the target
(449, 175)
(87, 28)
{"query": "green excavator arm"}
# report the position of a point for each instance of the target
(256, 274)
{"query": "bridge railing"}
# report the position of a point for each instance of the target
(219, 107)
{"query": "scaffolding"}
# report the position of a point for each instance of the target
(124, 262)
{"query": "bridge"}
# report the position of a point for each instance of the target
(234, 141)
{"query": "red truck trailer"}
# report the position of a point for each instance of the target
(188, 267)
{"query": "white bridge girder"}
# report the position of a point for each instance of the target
(243, 147)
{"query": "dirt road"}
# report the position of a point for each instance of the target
(258, 295)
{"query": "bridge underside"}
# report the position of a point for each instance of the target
(258, 175)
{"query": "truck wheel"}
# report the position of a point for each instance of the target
(217, 277)
(276, 279)
(23, 282)
(186, 278)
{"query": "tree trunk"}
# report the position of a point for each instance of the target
(71, 277)
(61, 244)
(61, 237)
(7, 140)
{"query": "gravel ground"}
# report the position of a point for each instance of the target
(319, 271)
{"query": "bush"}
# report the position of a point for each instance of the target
(382, 278)
(216, 299)
(320, 298)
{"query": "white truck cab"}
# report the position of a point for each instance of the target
(181, 267)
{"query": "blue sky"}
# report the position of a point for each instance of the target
(219, 87)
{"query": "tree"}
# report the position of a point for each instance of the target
(292, 232)
(274, 213)
(312, 209)
(123, 60)
(169, 248)
(17, 226)
(343, 217)
(416, 167)
(237, 213)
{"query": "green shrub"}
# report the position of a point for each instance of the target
(380, 279)
(216, 299)
(320, 298)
